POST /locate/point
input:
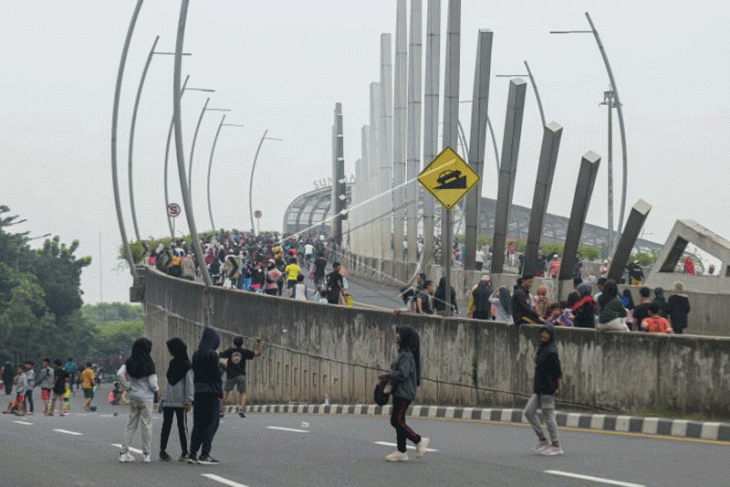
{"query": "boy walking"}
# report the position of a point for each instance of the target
(30, 375)
(548, 384)
(88, 377)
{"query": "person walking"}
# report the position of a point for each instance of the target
(45, 381)
(547, 384)
(236, 370)
(71, 369)
(678, 308)
(208, 386)
(30, 376)
(178, 398)
(405, 377)
(139, 379)
(60, 378)
(88, 377)
(611, 310)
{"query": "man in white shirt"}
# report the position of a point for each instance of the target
(479, 261)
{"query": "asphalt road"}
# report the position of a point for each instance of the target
(316, 450)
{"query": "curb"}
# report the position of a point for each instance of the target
(678, 428)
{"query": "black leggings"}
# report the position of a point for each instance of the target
(182, 427)
(398, 421)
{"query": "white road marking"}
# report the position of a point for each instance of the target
(106, 415)
(133, 450)
(68, 432)
(23, 422)
(409, 447)
(593, 479)
(222, 480)
(281, 428)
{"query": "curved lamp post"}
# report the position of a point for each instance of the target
(167, 150)
(176, 93)
(534, 88)
(253, 168)
(115, 117)
(210, 163)
(131, 131)
(195, 137)
(617, 104)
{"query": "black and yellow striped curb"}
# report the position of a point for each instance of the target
(679, 428)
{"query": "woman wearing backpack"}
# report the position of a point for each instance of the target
(405, 377)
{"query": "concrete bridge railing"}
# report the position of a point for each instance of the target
(314, 351)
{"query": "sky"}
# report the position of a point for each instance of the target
(282, 66)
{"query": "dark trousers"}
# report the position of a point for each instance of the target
(182, 427)
(29, 400)
(398, 421)
(206, 416)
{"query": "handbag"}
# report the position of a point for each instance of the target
(380, 396)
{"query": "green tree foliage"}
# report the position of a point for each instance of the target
(40, 296)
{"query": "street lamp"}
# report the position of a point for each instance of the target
(167, 148)
(534, 87)
(195, 137)
(253, 168)
(615, 102)
(131, 130)
(210, 162)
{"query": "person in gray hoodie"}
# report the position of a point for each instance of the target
(178, 397)
(45, 380)
(207, 372)
(138, 378)
(405, 377)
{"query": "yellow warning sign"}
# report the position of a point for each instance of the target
(448, 178)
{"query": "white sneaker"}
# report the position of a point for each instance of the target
(146, 458)
(552, 451)
(540, 446)
(126, 457)
(421, 447)
(397, 456)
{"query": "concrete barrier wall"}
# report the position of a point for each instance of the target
(315, 351)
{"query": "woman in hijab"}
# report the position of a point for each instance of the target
(548, 384)
(584, 310)
(679, 308)
(207, 372)
(178, 398)
(440, 299)
(503, 302)
(405, 377)
(661, 301)
(138, 378)
(611, 310)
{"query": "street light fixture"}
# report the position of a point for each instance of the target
(210, 163)
(534, 87)
(253, 168)
(167, 149)
(617, 104)
(195, 137)
(131, 130)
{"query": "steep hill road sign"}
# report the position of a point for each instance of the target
(448, 178)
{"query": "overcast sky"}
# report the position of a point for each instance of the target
(283, 65)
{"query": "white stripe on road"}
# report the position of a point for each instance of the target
(281, 428)
(68, 432)
(222, 480)
(593, 479)
(410, 447)
(23, 422)
(133, 450)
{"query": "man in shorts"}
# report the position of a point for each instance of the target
(88, 377)
(45, 381)
(236, 370)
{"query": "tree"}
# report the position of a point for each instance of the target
(26, 323)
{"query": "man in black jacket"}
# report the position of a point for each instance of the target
(523, 307)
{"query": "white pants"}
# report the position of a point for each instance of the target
(139, 410)
(616, 324)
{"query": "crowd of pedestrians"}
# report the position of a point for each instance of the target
(56, 381)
